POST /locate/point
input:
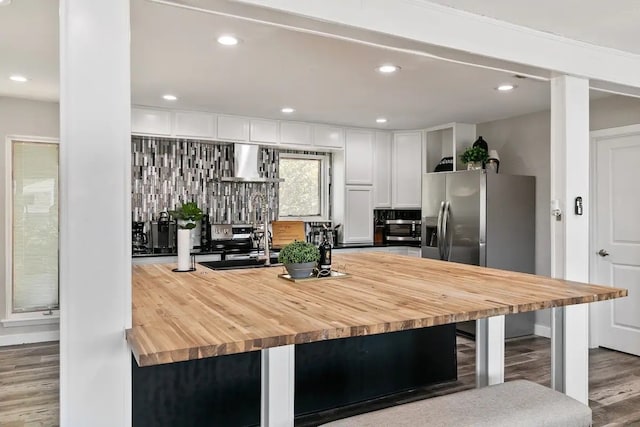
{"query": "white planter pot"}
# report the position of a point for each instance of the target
(184, 249)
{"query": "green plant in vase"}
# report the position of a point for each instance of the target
(474, 157)
(186, 216)
(299, 258)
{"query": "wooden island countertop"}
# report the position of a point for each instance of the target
(205, 313)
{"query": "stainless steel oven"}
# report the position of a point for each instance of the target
(401, 231)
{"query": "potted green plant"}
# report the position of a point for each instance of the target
(299, 258)
(186, 217)
(474, 157)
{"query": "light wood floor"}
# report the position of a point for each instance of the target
(29, 383)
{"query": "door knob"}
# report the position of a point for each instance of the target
(603, 253)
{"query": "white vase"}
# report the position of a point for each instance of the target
(184, 249)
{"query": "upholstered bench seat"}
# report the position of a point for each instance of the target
(514, 404)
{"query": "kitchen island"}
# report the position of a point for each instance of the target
(200, 315)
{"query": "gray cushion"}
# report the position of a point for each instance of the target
(515, 404)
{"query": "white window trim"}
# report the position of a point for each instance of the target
(34, 317)
(324, 187)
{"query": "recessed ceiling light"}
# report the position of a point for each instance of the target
(228, 40)
(506, 87)
(388, 68)
(5, 2)
(169, 97)
(287, 110)
(381, 120)
(18, 78)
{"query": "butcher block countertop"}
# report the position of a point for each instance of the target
(205, 313)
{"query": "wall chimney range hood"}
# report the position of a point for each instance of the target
(245, 165)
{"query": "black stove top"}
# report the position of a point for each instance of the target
(234, 264)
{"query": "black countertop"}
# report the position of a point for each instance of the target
(336, 247)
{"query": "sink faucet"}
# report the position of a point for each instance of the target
(261, 202)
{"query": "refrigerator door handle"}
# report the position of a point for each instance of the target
(483, 254)
(439, 231)
(446, 244)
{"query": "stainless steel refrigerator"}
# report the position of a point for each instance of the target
(485, 219)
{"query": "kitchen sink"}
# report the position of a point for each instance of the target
(236, 264)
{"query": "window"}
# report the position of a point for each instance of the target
(33, 254)
(304, 192)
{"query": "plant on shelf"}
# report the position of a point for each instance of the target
(299, 258)
(474, 155)
(187, 215)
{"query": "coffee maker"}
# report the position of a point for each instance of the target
(138, 238)
(163, 234)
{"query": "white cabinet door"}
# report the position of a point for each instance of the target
(200, 125)
(155, 122)
(382, 170)
(359, 157)
(328, 136)
(263, 131)
(406, 170)
(358, 226)
(233, 128)
(295, 133)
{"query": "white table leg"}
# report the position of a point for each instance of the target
(489, 351)
(277, 386)
(570, 351)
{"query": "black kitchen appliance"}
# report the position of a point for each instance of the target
(231, 239)
(138, 238)
(163, 234)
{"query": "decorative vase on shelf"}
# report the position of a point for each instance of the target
(472, 166)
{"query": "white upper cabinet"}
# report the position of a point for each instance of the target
(265, 131)
(149, 121)
(233, 128)
(200, 125)
(359, 157)
(407, 169)
(328, 136)
(295, 133)
(448, 140)
(382, 170)
(358, 226)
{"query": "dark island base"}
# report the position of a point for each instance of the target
(225, 390)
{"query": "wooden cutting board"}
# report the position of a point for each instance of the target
(285, 232)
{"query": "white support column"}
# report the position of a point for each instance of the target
(278, 384)
(576, 352)
(570, 231)
(95, 146)
(489, 351)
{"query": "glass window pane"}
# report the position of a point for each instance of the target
(301, 190)
(35, 226)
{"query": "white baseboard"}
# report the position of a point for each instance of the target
(542, 330)
(30, 338)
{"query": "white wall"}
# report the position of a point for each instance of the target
(21, 117)
(523, 144)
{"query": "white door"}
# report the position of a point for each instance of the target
(617, 235)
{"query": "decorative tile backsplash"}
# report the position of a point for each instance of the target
(167, 172)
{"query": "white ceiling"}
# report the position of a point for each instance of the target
(29, 46)
(610, 23)
(326, 80)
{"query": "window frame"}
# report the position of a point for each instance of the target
(32, 317)
(324, 186)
